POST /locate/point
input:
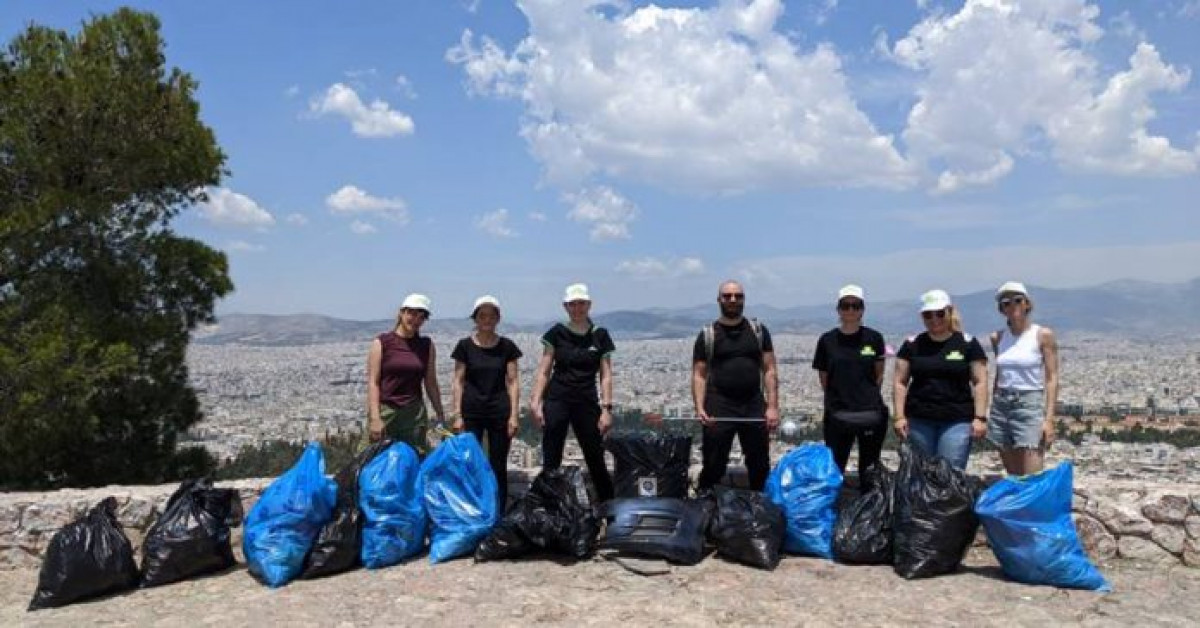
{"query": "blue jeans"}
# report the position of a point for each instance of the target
(951, 441)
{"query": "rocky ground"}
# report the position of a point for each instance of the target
(801, 591)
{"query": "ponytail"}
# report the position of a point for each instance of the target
(956, 324)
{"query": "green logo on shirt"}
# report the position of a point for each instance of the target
(867, 350)
(955, 355)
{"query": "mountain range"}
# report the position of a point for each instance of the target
(1127, 307)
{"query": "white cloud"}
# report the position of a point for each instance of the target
(495, 223)
(350, 199)
(404, 86)
(707, 100)
(359, 227)
(608, 213)
(1190, 9)
(297, 219)
(823, 10)
(536, 216)
(292, 91)
(374, 120)
(242, 246)
(471, 6)
(656, 268)
(905, 274)
(227, 208)
(1005, 78)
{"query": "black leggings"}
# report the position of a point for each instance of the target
(498, 444)
(840, 439)
(583, 418)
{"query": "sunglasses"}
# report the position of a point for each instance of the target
(1012, 301)
(733, 296)
(853, 305)
(422, 314)
(929, 315)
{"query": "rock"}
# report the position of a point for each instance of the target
(138, 513)
(1191, 525)
(1079, 501)
(46, 517)
(1096, 539)
(1143, 549)
(1168, 537)
(17, 558)
(1167, 508)
(10, 518)
(1191, 553)
(1121, 519)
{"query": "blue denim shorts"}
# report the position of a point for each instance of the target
(1016, 419)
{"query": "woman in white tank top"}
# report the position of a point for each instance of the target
(1021, 422)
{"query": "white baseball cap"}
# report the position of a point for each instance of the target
(1011, 287)
(486, 299)
(416, 301)
(851, 290)
(576, 292)
(935, 300)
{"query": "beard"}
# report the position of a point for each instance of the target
(732, 309)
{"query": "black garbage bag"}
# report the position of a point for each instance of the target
(863, 532)
(339, 542)
(554, 516)
(933, 518)
(661, 527)
(648, 465)
(87, 558)
(747, 527)
(192, 537)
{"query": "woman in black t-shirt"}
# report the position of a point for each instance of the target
(564, 393)
(941, 384)
(850, 360)
(487, 389)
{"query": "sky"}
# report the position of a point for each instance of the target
(653, 149)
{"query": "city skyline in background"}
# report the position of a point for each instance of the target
(653, 149)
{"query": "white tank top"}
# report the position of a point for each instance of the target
(1019, 361)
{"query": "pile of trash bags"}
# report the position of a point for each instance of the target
(382, 507)
(92, 556)
(338, 545)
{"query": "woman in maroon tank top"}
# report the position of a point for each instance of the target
(400, 372)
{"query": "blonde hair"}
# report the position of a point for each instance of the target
(399, 318)
(956, 323)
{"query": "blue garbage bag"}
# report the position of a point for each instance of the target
(459, 491)
(1028, 524)
(394, 520)
(806, 484)
(284, 522)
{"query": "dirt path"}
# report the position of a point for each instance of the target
(599, 592)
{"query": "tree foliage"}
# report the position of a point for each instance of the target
(101, 146)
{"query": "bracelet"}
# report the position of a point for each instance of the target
(607, 406)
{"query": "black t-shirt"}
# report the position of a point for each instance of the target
(735, 373)
(939, 387)
(484, 394)
(577, 360)
(849, 361)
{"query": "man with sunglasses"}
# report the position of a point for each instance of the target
(850, 361)
(734, 377)
(940, 391)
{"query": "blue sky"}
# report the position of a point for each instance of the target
(462, 147)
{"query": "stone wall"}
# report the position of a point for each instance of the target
(1154, 522)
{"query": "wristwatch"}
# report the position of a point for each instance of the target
(607, 406)
(980, 417)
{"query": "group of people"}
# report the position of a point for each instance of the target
(940, 391)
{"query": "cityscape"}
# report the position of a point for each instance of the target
(253, 394)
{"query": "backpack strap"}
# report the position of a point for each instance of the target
(996, 336)
(757, 328)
